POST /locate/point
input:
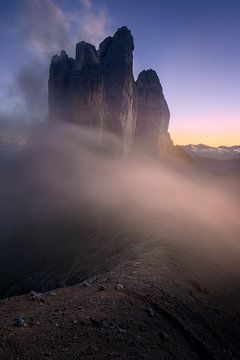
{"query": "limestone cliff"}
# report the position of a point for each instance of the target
(153, 115)
(97, 89)
(59, 86)
(116, 57)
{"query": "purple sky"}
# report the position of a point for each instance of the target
(193, 45)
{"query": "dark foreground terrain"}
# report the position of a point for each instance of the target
(141, 263)
(151, 306)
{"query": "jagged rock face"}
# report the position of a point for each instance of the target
(97, 89)
(86, 86)
(59, 86)
(75, 87)
(116, 57)
(152, 114)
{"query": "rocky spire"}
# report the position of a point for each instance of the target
(59, 86)
(116, 58)
(86, 86)
(152, 113)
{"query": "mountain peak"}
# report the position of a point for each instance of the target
(97, 88)
(148, 78)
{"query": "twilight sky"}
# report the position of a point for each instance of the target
(193, 45)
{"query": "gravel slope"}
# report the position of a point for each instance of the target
(153, 304)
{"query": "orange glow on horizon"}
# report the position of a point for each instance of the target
(211, 133)
(180, 139)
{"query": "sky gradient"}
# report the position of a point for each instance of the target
(192, 44)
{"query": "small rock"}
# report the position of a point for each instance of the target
(35, 296)
(19, 321)
(102, 288)
(121, 331)
(86, 284)
(52, 293)
(163, 335)
(82, 322)
(97, 323)
(119, 287)
(150, 312)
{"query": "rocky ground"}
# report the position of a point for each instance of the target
(150, 305)
(164, 283)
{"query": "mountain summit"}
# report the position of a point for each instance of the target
(97, 89)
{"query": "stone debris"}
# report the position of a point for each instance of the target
(86, 283)
(102, 288)
(97, 323)
(19, 321)
(119, 287)
(150, 312)
(121, 331)
(35, 296)
(163, 335)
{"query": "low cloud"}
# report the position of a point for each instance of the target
(31, 85)
(87, 3)
(45, 28)
(69, 197)
(49, 28)
(94, 25)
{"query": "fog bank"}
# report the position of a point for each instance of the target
(63, 199)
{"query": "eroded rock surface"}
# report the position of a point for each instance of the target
(152, 113)
(97, 89)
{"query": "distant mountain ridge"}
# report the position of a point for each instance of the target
(220, 152)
